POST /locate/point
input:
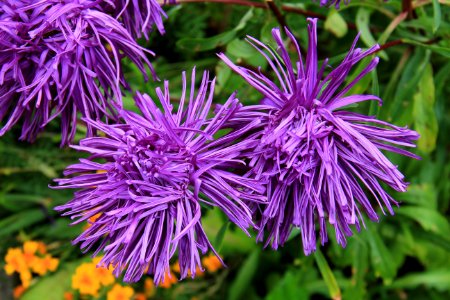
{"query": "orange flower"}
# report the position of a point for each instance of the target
(18, 291)
(168, 281)
(25, 277)
(104, 275)
(176, 269)
(211, 263)
(119, 292)
(42, 248)
(91, 220)
(15, 261)
(85, 279)
(44, 264)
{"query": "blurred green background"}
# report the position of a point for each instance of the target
(406, 256)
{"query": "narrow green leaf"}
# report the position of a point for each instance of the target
(210, 43)
(244, 276)
(336, 24)
(288, 287)
(362, 24)
(424, 115)
(388, 31)
(437, 49)
(436, 15)
(327, 275)
(220, 235)
(20, 220)
(438, 279)
(205, 44)
(429, 219)
(360, 254)
(424, 195)
(381, 258)
(408, 82)
(374, 105)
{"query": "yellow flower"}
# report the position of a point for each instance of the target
(119, 292)
(44, 264)
(18, 291)
(168, 281)
(15, 261)
(211, 263)
(85, 279)
(104, 275)
(25, 277)
(149, 287)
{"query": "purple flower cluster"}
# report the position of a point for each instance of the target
(61, 58)
(296, 160)
(322, 163)
(148, 177)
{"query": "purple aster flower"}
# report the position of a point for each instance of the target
(139, 16)
(61, 58)
(148, 177)
(322, 162)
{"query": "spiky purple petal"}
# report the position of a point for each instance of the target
(322, 162)
(148, 176)
(61, 58)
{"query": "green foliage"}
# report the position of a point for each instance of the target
(402, 256)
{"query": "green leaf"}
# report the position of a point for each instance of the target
(52, 287)
(336, 24)
(360, 254)
(20, 221)
(210, 43)
(437, 49)
(424, 116)
(327, 275)
(408, 83)
(362, 24)
(288, 287)
(436, 15)
(204, 44)
(220, 235)
(429, 219)
(424, 195)
(244, 276)
(381, 258)
(388, 31)
(19, 202)
(438, 279)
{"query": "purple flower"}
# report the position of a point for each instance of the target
(61, 58)
(148, 177)
(322, 162)
(139, 16)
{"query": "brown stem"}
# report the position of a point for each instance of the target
(389, 45)
(235, 2)
(285, 8)
(401, 42)
(277, 13)
(407, 7)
